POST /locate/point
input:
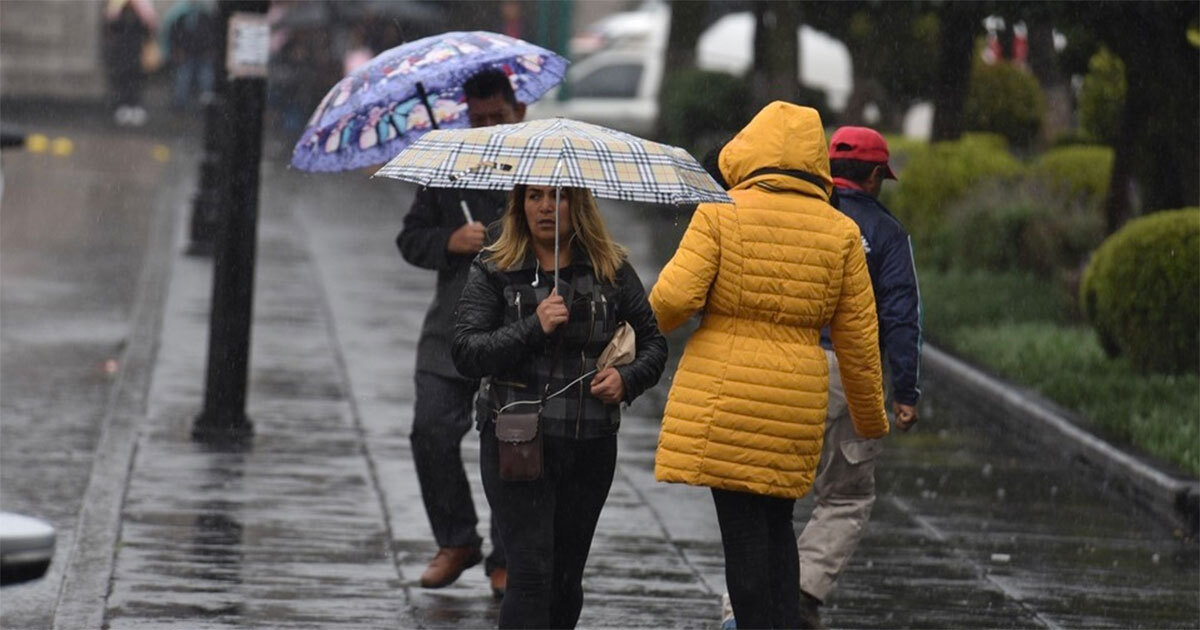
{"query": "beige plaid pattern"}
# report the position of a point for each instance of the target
(556, 152)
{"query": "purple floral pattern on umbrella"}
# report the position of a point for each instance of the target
(373, 113)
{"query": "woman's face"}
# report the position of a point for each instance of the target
(539, 213)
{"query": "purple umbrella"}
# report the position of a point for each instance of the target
(387, 103)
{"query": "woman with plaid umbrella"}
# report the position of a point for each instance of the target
(538, 340)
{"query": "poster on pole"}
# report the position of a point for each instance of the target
(248, 46)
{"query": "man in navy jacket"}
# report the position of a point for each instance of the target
(845, 482)
(444, 231)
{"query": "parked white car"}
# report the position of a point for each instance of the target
(619, 71)
(26, 548)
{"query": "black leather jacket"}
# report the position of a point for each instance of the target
(498, 337)
(435, 215)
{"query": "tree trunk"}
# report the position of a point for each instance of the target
(1161, 119)
(960, 21)
(1043, 61)
(1118, 205)
(684, 30)
(687, 22)
(776, 70)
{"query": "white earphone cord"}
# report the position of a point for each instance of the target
(538, 402)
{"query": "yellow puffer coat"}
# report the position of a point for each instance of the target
(746, 410)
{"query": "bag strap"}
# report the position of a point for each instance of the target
(555, 363)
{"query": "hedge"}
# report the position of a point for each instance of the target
(939, 175)
(1081, 172)
(1141, 292)
(1004, 98)
(1102, 97)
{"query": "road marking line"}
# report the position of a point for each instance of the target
(981, 573)
(62, 147)
(37, 143)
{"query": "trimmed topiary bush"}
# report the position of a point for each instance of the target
(1102, 97)
(1023, 225)
(939, 175)
(988, 229)
(1003, 98)
(699, 106)
(1141, 292)
(1081, 172)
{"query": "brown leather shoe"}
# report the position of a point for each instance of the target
(499, 578)
(448, 564)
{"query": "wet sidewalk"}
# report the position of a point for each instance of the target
(319, 524)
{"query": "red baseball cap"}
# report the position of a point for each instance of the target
(862, 144)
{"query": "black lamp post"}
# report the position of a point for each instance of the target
(224, 415)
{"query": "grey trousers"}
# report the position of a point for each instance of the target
(844, 489)
(441, 419)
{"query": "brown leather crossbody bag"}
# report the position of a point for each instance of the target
(519, 435)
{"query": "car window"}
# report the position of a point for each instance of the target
(619, 81)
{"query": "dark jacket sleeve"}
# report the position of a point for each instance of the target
(483, 344)
(422, 240)
(651, 356)
(898, 300)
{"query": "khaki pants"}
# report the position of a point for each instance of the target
(844, 490)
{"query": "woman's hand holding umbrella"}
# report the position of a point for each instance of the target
(552, 312)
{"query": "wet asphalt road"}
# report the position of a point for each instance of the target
(73, 230)
(320, 524)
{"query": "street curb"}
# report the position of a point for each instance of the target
(83, 596)
(1166, 497)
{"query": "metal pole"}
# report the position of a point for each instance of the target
(212, 191)
(224, 415)
(557, 197)
(425, 101)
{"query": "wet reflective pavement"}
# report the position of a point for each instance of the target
(319, 524)
(74, 224)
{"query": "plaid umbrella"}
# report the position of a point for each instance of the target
(556, 152)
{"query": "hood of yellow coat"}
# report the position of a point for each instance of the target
(782, 149)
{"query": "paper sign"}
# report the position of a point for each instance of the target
(248, 46)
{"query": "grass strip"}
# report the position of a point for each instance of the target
(1020, 327)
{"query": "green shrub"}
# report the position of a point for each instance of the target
(1102, 97)
(1005, 99)
(1081, 172)
(938, 175)
(988, 229)
(1022, 226)
(1075, 179)
(1141, 291)
(901, 149)
(700, 107)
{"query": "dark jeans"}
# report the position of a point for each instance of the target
(441, 418)
(547, 526)
(762, 570)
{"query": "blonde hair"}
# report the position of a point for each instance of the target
(591, 233)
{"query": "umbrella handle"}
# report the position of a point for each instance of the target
(557, 197)
(425, 101)
(557, 192)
